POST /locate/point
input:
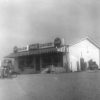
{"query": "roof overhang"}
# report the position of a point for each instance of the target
(32, 52)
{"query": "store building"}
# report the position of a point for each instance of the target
(83, 52)
(36, 57)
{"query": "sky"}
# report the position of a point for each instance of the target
(25, 22)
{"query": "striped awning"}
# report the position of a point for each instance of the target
(32, 52)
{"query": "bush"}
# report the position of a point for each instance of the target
(92, 65)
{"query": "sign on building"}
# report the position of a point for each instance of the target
(23, 49)
(61, 49)
(57, 42)
(46, 45)
(33, 46)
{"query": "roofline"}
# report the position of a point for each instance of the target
(86, 38)
(33, 52)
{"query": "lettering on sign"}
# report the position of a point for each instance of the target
(62, 49)
(33, 46)
(46, 45)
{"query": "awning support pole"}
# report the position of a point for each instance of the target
(40, 62)
(34, 63)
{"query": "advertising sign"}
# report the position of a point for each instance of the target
(23, 49)
(46, 45)
(57, 42)
(33, 46)
(62, 49)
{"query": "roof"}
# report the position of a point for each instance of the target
(32, 52)
(86, 38)
(48, 50)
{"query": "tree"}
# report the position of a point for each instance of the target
(92, 65)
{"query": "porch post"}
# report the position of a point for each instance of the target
(40, 62)
(52, 59)
(25, 62)
(66, 61)
(34, 63)
(67, 57)
(61, 59)
(16, 65)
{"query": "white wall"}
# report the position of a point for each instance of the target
(83, 49)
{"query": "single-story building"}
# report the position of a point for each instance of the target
(37, 57)
(84, 51)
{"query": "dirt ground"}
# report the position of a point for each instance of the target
(67, 86)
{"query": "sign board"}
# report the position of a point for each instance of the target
(57, 42)
(62, 49)
(33, 46)
(23, 49)
(46, 45)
